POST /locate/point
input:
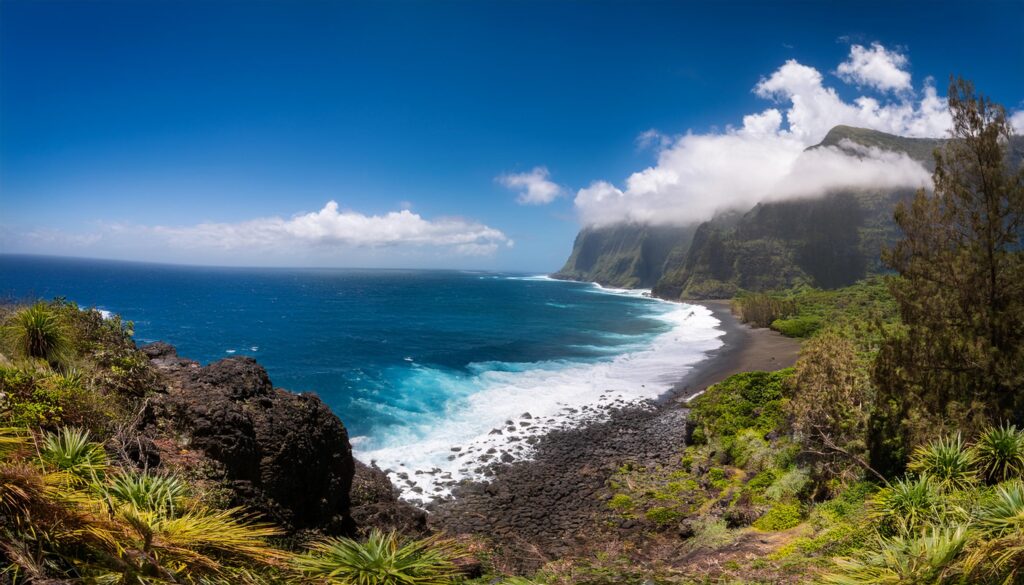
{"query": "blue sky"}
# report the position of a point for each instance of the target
(148, 130)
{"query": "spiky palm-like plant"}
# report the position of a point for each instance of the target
(383, 559)
(949, 462)
(906, 504)
(999, 453)
(999, 556)
(148, 492)
(928, 557)
(69, 450)
(39, 332)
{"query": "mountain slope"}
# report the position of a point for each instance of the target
(626, 255)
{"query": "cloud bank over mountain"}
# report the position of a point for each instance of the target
(765, 158)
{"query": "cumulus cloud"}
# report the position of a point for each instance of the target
(1017, 122)
(535, 187)
(766, 157)
(332, 226)
(875, 67)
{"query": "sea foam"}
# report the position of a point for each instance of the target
(500, 409)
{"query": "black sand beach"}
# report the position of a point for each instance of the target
(545, 503)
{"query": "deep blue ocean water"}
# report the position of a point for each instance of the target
(410, 360)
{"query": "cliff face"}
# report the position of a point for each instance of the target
(625, 255)
(284, 455)
(828, 241)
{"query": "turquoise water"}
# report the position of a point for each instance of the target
(414, 362)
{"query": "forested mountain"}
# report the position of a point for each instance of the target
(827, 241)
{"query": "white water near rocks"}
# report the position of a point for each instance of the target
(504, 408)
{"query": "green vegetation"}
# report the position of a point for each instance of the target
(74, 509)
(382, 559)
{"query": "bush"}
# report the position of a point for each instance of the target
(798, 326)
(781, 516)
(948, 462)
(999, 453)
(39, 332)
(920, 558)
(750, 451)
(906, 505)
(789, 486)
(383, 559)
(661, 515)
(751, 400)
(621, 503)
(761, 310)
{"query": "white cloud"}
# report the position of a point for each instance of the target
(1017, 122)
(534, 187)
(875, 67)
(697, 175)
(333, 227)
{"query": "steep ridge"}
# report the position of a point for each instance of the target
(827, 241)
(627, 255)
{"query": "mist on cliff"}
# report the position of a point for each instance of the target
(767, 158)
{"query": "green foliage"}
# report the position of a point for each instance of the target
(789, 486)
(59, 521)
(804, 311)
(948, 462)
(750, 451)
(39, 332)
(383, 559)
(69, 450)
(621, 503)
(161, 494)
(999, 453)
(751, 400)
(798, 327)
(955, 363)
(49, 400)
(781, 516)
(662, 515)
(762, 309)
(919, 558)
(907, 504)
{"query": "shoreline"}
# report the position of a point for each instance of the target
(550, 502)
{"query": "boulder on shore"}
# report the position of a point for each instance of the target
(284, 455)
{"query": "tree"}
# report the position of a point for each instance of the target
(830, 406)
(959, 356)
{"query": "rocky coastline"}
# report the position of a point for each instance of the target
(287, 457)
(554, 505)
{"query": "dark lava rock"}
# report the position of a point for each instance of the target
(284, 455)
(375, 504)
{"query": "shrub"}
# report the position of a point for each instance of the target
(1001, 522)
(948, 462)
(906, 505)
(781, 516)
(621, 502)
(161, 494)
(39, 332)
(923, 558)
(760, 309)
(804, 326)
(383, 559)
(69, 450)
(748, 400)
(789, 486)
(999, 453)
(662, 515)
(750, 451)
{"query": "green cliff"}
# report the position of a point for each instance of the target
(626, 255)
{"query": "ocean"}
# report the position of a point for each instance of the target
(429, 370)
